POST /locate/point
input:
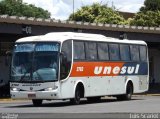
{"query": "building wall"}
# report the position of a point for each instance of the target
(10, 32)
(154, 56)
(4, 71)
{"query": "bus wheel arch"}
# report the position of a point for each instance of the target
(78, 93)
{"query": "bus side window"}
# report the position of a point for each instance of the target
(124, 52)
(79, 51)
(103, 51)
(114, 52)
(91, 50)
(66, 59)
(134, 49)
(143, 53)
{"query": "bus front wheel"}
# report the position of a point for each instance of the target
(77, 98)
(37, 102)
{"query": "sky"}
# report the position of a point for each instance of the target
(61, 9)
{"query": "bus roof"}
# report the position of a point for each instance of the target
(62, 36)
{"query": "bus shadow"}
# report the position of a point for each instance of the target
(67, 103)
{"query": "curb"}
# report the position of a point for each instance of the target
(153, 94)
(146, 94)
(16, 100)
(12, 100)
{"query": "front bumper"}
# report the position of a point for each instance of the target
(35, 94)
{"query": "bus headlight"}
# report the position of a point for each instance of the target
(14, 89)
(51, 89)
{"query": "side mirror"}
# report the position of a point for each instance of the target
(63, 65)
(7, 58)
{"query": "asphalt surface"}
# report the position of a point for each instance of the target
(108, 107)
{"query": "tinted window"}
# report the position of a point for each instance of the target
(66, 58)
(143, 53)
(79, 50)
(134, 49)
(103, 51)
(114, 52)
(124, 52)
(91, 51)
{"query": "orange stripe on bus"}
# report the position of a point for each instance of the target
(82, 69)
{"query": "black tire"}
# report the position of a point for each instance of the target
(129, 93)
(37, 102)
(94, 99)
(76, 100)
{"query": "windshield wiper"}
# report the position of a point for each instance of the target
(22, 78)
(39, 77)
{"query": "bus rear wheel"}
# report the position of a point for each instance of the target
(129, 93)
(37, 102)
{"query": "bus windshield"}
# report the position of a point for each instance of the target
(35, 62)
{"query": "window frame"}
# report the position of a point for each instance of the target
(64, 75)
(109, 57)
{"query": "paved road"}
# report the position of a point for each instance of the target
(138, 104)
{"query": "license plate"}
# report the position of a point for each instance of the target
(31, 95)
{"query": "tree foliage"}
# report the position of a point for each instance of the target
(149, 14)
(149, 18)
(97, 13)
(150, 5)
(18, 8)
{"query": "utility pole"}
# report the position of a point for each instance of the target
(73, 9)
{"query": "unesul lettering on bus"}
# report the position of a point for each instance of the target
(117, 70)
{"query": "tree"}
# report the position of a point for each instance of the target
(18, 8)
(149, 18)
(149, 15)
(97, 13)
(150, 5)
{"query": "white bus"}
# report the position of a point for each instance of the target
(67, 65)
